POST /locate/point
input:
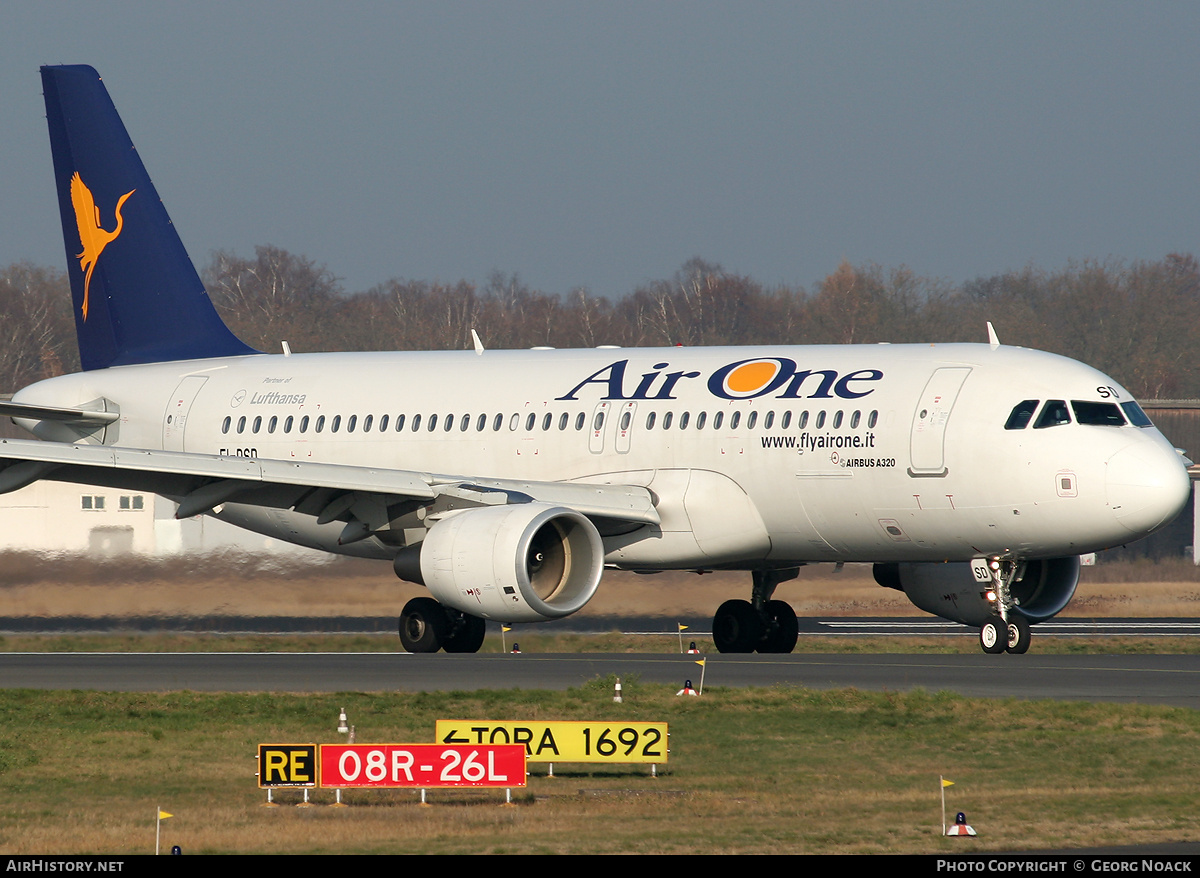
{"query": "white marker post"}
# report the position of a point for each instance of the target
(162, 815)
(945, 783)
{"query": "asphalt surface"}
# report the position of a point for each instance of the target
(1147, 679)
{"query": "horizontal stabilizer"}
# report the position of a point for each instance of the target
(76, 417)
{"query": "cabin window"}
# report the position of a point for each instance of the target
(563, 420)
(803, 422)
(1054, 413)
(751, 420)
(367, 421)
(225, 425)
(854, 418)
(432, 423)
(335, 424)
(718, 418)
(272, 424)
(626, 417)
(837, 420)
(257, 423)
(530, 422)
(547, 420)
(449, 423)
(786, 421)
(1097, 414)
(683, 420)
(287, 424)
(320, 425)
(383, 422)
(650, 420)
(598, 422)
(481, 423)
(304, 424)
(820, 420)
(497, 423)
(873, 419)
(734, 420)
(700, 419)
(351, 422)
(514, 421)
(416, 423)
(399, 423)
(580, 419)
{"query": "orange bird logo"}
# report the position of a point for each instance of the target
(92, 235)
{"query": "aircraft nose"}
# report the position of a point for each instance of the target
(1147, 485)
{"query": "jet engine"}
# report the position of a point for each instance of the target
(526, 562)
(952, 592)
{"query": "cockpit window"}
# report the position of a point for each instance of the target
(1022, 413)
(1053, 413)
(1136, 416)
(1100, 414)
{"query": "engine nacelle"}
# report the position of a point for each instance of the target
(951, 591)
(526, 562)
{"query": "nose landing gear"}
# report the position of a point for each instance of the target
(1007, 630)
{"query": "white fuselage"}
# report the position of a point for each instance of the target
(756, 456)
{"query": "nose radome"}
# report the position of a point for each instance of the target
(1147, 485)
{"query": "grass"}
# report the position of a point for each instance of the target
(784, 770)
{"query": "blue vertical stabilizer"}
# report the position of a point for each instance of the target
(137, 296)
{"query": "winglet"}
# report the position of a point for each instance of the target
(137, 296)
(993, 339)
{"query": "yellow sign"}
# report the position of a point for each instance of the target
(564, 741)
(287, 765)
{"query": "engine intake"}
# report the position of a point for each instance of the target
(527, 562)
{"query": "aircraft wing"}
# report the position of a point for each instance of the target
(361, 495)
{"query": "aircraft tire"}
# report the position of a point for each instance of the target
(466, 634)
(993, 636)
(1019, 635)
(737, 628)
(423, 625)
(783, 629)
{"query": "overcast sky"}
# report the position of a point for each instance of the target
(601, 145)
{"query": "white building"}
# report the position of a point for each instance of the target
(62, 517)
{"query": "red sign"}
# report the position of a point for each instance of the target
(423, 766)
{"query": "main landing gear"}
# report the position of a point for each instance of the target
(760, 624)
(1006, 630)
(427, 626)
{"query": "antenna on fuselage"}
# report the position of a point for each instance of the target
(478, 343)
(993, 339)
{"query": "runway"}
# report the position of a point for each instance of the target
(1147, 679)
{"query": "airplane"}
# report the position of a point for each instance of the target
(971, 476)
